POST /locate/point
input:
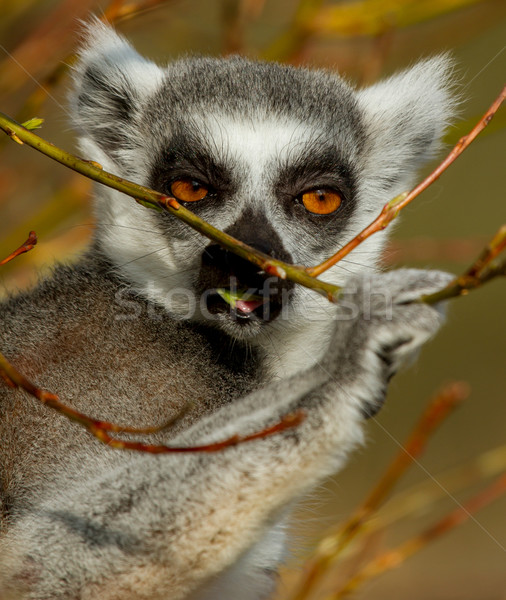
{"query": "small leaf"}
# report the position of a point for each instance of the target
(232, 297)
(34, 123)
(228, 296)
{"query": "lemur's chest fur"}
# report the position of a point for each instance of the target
(112, 355)
(87, 321)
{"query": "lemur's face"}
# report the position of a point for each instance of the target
(277, 184)
(278, 179)
(293, 162)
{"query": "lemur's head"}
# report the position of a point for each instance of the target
(291, 161)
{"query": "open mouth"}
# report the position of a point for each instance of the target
(242, 305)
(239, 297)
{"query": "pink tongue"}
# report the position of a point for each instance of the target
(247, 306)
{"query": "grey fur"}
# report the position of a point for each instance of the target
(111, 336)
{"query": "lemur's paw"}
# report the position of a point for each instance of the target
(387, 327)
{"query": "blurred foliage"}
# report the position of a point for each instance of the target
(445, 228)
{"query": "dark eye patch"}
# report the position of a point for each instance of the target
(317, 168)
(184, 157)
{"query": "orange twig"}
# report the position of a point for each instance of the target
(392, 208)
(25, 247)
(496, 245)
(436, 412)
(100, 428)
(481, 271)
(331, 546)
(394, 558)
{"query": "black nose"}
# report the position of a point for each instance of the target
(216, 257)
(255, 229)
(219, 265)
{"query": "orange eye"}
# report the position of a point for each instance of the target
(321, 202)
(188, 190)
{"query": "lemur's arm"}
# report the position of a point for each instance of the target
(157, 526)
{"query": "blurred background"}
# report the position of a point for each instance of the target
(444, 228)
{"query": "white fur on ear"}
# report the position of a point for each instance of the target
(111, 81)
(405, 117)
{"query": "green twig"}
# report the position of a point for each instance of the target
(480, 272)
(155, 200)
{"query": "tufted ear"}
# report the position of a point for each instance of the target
(405, 117)
(111, 83)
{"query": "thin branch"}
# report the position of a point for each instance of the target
(16, 380)
(332, 545)
(155, 200)
(421, 497)
(100, 428)
(438, 410)
(393, 208)
(480, 272)
(25, 247)
(393, 558)
(303, 275)
(496, 245)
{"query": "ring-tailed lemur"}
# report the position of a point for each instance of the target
(292, 161)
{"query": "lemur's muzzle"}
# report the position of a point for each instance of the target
(237, 286)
